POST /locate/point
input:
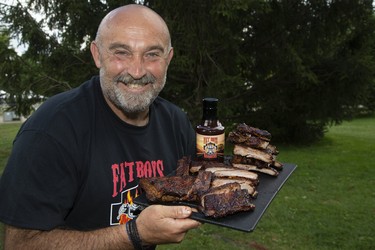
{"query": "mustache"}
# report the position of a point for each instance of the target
(128, 79)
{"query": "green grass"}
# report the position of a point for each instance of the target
(327, 203)
(7, 134)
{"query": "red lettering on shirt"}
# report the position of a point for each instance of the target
(115, 172)
(139, 166)
(130, 166)
(122, 177)
(147, 169)
(123, 173)
(153, 166)
(160, 167)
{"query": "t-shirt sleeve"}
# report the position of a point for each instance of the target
(39, 183)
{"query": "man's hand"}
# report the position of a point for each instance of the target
(159, 224)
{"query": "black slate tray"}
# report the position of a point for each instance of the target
(268, 187)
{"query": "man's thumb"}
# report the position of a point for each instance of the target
(182, 212)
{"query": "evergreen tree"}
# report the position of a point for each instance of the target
(291, 67)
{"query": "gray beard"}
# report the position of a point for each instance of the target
(131, 103)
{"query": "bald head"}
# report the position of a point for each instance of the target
(132, 50)
(132, 16)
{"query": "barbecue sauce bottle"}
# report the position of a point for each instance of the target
(210, 134)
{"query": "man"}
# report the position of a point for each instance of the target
(75, 164)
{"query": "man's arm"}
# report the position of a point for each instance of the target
(106, 238)
(156, 225)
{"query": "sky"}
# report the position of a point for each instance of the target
(14, 42)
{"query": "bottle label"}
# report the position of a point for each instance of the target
(210, 146)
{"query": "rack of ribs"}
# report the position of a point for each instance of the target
(252, 150)
(217, 190)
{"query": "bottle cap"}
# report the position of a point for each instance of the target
(210, 103)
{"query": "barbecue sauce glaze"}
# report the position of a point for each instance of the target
(210, 134)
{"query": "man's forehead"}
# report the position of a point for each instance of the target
(134, 38)
(135, 16)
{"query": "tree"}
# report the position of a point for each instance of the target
(322, 55)
(292, 67)
(13, 69)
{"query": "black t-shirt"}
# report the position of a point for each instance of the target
(75, 164)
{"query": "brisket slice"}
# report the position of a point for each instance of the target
(225, 200)
(167, 188)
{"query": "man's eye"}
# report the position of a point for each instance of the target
(152, 54)
(122, 53)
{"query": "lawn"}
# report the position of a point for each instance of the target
(7, 134)
(327, 203)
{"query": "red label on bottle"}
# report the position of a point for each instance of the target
(210, 146)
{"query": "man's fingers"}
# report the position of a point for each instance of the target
(183, 212)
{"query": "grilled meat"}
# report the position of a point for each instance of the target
(247, 140)
(195, 166)
(271, 149)
(266, 170)
(238, 159)
(245, 184)
(201, 184)
(234, 174)
(245, 129)
(168, 188)
(211, 182)
(224, 200)
(277, 165)
(220, 189)
(252, 150)
(253, 153)
(183, 166)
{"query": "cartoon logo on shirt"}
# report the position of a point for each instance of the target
(126, 210)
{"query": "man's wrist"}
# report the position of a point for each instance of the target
(132, 231)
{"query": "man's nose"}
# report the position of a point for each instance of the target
(136, 67)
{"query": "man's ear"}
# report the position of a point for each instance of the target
(170, 55)
(95, 53)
